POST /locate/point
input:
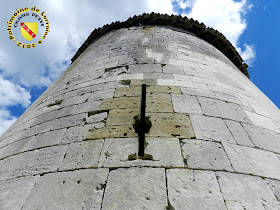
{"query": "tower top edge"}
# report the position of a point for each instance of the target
(203, 32)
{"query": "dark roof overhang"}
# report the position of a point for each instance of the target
(210, 35)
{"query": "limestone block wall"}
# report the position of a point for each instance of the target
(214, 140)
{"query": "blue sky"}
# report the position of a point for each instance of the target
(250, 25)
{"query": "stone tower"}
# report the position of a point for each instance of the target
(209, 138)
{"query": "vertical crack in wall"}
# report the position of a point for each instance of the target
(104, 189)
(221, 190)
(169, 206)
(35, 183)
(249, 135)
(227, 157)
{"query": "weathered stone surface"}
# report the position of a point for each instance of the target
(82, 155)
(198, 92)
(136, 188)
(126, 77)
(166, 152)
(112, 132)
(188, 189)
(158, 102)
(239, 134)
(246, 192)
(114, 71)
(143, 68)
(253, 161)
(157, 76)
(120, 103)
(263, 138)
(218, 108)
(163, 89)
(102, 94)
(32, 162)
(14, 148)
(210, 128)
(275, 187)
(186, 104)
(172, 69)
(189, 71)
(205, 155)
(170, 125)
(74, 134)
(122, 116)
(46, 139)
(262, 121)
(128, 91)
(82, 189)
(74, 100)
(14, 192)
(227, 97)
(99, 117)
(173, 82)
(65, 122)
(143, 81)
(86, 107)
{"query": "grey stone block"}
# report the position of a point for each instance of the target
(45, 139)
(253, 161)
(82, 189)
(262, 121)
(74, 100)
(14, 193)
(198, 92)
(74, 134)
(82, 155)
(217, 108)
(246, 192)
(100, 95)
(70, 121)
(166, 152)
(210, 128)
(205, 155)
(189, 71)
(125, 77)
(178, 62)
(173, 82)
(226, 97)
(145, 68)
(15, 147)
(239, 134)
(136, 188)
(186, 104)
(114, 71)
(188, 189)
(157, 76)
(275, 187)
(86, 107)
(100, 117)
(32, 162)
(171, 69)
(263, 138)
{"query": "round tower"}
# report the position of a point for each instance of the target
(156, 112)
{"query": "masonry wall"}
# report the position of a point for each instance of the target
(214, 140)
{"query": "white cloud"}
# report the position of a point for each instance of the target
(248, 54)
(227, 16)
(6, 120)
(12, 94)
